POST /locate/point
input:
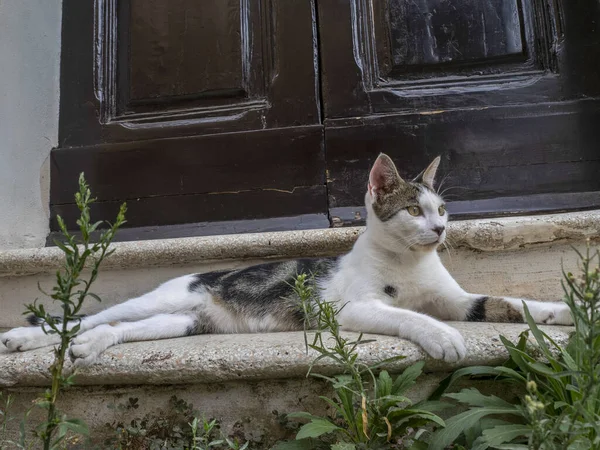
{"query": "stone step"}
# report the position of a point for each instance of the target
(248, 382)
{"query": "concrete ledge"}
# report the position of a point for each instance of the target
(480, 235)
(232, 358)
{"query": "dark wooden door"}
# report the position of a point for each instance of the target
(220, 116)
(192, 112)
(507, 91)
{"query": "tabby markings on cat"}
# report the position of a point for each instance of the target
(392, 282)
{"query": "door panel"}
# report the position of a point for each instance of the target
(505, 90)
(165, 99)
(211, 58)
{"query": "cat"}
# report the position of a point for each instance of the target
(392, 282)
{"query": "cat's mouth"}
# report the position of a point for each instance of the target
(428, 246)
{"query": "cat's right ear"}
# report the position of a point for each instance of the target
(383, 177)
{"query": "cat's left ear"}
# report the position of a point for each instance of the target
(428, 176)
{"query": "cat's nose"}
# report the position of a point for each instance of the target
(439, 230)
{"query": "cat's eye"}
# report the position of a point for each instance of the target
(442, 210)
(414, 210)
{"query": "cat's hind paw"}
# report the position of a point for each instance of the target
(87, 347)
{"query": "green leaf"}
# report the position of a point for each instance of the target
(343, 446)
(302, 444)
(393, 400)
(459, 423)
(419, 445)
(384, 385)
(76, 426)
(302, 415)
(512, 447)
(413, 414)
(537, 333)
(475, 371)
(94, 226)
(407, 378)
(541, 369)
(335, 406)
(473, 397)
(433, 405)
(316, 428)
(63, 247)
(501, 434)
(384, 362)
(94, 296)
(342, 381)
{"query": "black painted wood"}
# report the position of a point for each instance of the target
(171, 210)
(498, 152)
(508, 92)
(280, 159)
(213, 228)
(555, 202)
(181, 93)
(190, 111)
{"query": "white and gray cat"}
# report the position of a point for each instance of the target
(392, 282)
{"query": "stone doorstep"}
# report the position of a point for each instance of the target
(250, 357)
(247, 382)
(486, 235)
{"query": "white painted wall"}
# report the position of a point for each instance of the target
(29, 96)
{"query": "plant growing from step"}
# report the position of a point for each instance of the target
(370, 409)
(561, 404)
(6, 417)
(72, 289)
(179, 426)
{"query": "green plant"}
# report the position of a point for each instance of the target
(370, 409)
(71, 290)
(6, 417)
(561, 408)
(177, 427)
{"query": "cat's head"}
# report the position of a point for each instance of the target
(406, 214)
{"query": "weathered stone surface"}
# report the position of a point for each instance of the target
(483, 235)
(248, 382)
(224, 358)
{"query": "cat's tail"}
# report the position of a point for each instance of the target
(36, 321)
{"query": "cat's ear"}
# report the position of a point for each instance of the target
(428, 176)
(383, 177)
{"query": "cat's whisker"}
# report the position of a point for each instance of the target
(449, 188)
(448, 252)
(441, 184)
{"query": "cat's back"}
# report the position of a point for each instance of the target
(262, 283)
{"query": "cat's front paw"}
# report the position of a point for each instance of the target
(87, 347)
(443, 342)
(27, 338)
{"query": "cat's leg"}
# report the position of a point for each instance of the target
(483, 308)
(446, 300)
(174, 296)
(439, 340)
(456, 304)
(87, 346)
